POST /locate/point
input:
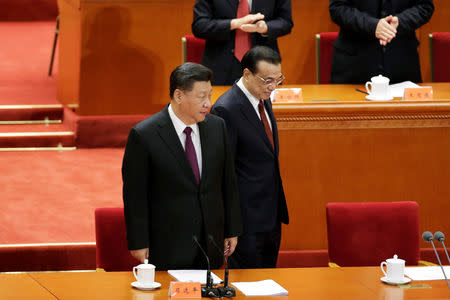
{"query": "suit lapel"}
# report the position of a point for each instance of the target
(168, 134)
(205, 149)
(250, 114)
(234, 4)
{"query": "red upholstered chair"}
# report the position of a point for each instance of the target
(192, 48)
(439, 55)
(302, 258)
(110, 236)
(324, 54)
(365, 234)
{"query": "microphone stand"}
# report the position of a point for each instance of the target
(439, 237)
(225, 290)
(208, 290)
(428, 237)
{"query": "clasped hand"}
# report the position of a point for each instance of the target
(248, 24)
(386, 30)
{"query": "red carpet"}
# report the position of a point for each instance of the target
(50, 197)
(24, 60)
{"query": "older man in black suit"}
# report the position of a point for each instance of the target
(253, 134)
(179, 179)
(377, 37)
(232, 27)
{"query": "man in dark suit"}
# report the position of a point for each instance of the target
(232, 27)
(179, 179)
(377, 37)
(253, 135)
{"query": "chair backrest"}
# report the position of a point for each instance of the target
(367, 233)
(439, 56)
(110, 236)
(192, 49)
(324, 55)
(302, 258)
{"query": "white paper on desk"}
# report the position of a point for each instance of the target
(427, 273)
(261, 288)
(193, 276)
(398, 89)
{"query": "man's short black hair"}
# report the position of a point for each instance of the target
(185, 75)
(257, 54)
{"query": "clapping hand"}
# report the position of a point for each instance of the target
(386, 29)
(247, 23)
(260, 27)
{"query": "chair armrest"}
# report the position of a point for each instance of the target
(333, 265)
(425, 263)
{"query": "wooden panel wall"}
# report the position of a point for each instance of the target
(116, 55)
(332, 155)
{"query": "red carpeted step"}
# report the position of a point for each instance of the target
(13, 136)
(31, 112)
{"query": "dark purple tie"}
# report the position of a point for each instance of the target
(190, 153)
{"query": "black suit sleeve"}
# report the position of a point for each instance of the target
(233, 218)
(232, 132)
(206, 26)
(347, 16)
(135, 176)
(282, 23)
(414, 17)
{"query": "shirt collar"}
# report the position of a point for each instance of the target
(253, 100)
(179, 125)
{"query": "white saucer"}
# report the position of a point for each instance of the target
(146, 287)
(372, 98)
(405, 280)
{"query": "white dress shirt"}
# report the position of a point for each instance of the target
(253, 101)
(195, 136)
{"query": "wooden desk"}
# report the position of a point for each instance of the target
(338, 93)
(22, 286)
(308, 283)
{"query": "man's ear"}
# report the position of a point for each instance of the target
(246, 74)
(178, 96)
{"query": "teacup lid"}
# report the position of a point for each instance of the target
(395, 259)
(146, 265)
(379, 79)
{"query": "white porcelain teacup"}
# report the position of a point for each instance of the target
(395, 268)
(144, 273)
(379, 87)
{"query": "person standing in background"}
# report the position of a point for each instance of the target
(232, 27)
(377, 37)
(253, 134)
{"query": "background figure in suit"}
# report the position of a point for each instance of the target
(377, 37)
(253, 134)
(231, 28)
(180, 182)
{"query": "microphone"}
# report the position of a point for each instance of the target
(225, 290)
(440, 237)
(208, 290)
(428, 237)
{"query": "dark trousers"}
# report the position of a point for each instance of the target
(257, 250)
